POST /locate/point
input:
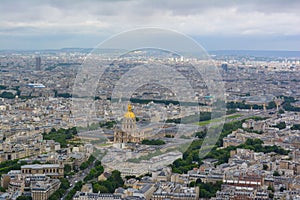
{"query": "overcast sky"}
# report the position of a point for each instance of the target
(216, 25)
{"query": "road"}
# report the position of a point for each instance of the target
(77, 177)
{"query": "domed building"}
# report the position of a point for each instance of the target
(129, 132)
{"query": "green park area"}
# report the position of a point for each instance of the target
(191, 155)
(216, 120)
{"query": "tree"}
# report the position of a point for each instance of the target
(208, 190)
(282, 189)
(36, 162)
(295, 127)
(192, 184)
(129, 177)
(97, 187)
(201, 134)
(2, 189)
(271, 105)
(24, 198)
(7, 95)
(77, 187)
(110, 185)
(198, 181)
(116, 177)
(67, 168)
(65, 184)
(276, 173)
(281, 125)
(3, 87)
(64, 95)
(265, 167)
(95, 171)
(97, 163)
(54, 196)
(84, 165)
(153, 142)
(271, 188)
(61, 136)
(87, 163)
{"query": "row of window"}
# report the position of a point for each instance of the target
(51, 170)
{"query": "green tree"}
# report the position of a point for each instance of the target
(271, 105)
(265, 167)
(64, 95)
(76, 188)
(24, 198)
(271, 188)
(61, 136)
(209, 190)
(282, 189)
(281, 125)
(87, 163)
(7, 95)
(97, 187)
(192, 184)
(276, 173)
(116, 177)
(295, 127)
(84, 166)
(64, 185)
(36, 162)
(67, 168)
(153, 142)
(2, 189)
(3, 87)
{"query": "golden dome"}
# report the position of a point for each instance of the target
(129, 113)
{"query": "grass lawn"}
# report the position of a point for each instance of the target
(204, 123)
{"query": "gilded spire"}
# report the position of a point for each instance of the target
(129, 107)
(129, 113)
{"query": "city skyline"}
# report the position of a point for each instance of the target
(149, 99)
(217, 25)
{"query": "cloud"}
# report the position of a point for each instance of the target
(197, 18)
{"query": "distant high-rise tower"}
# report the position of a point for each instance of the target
(38, 61)
(224, 67)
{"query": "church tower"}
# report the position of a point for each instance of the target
(129, 131)
(129, 121)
